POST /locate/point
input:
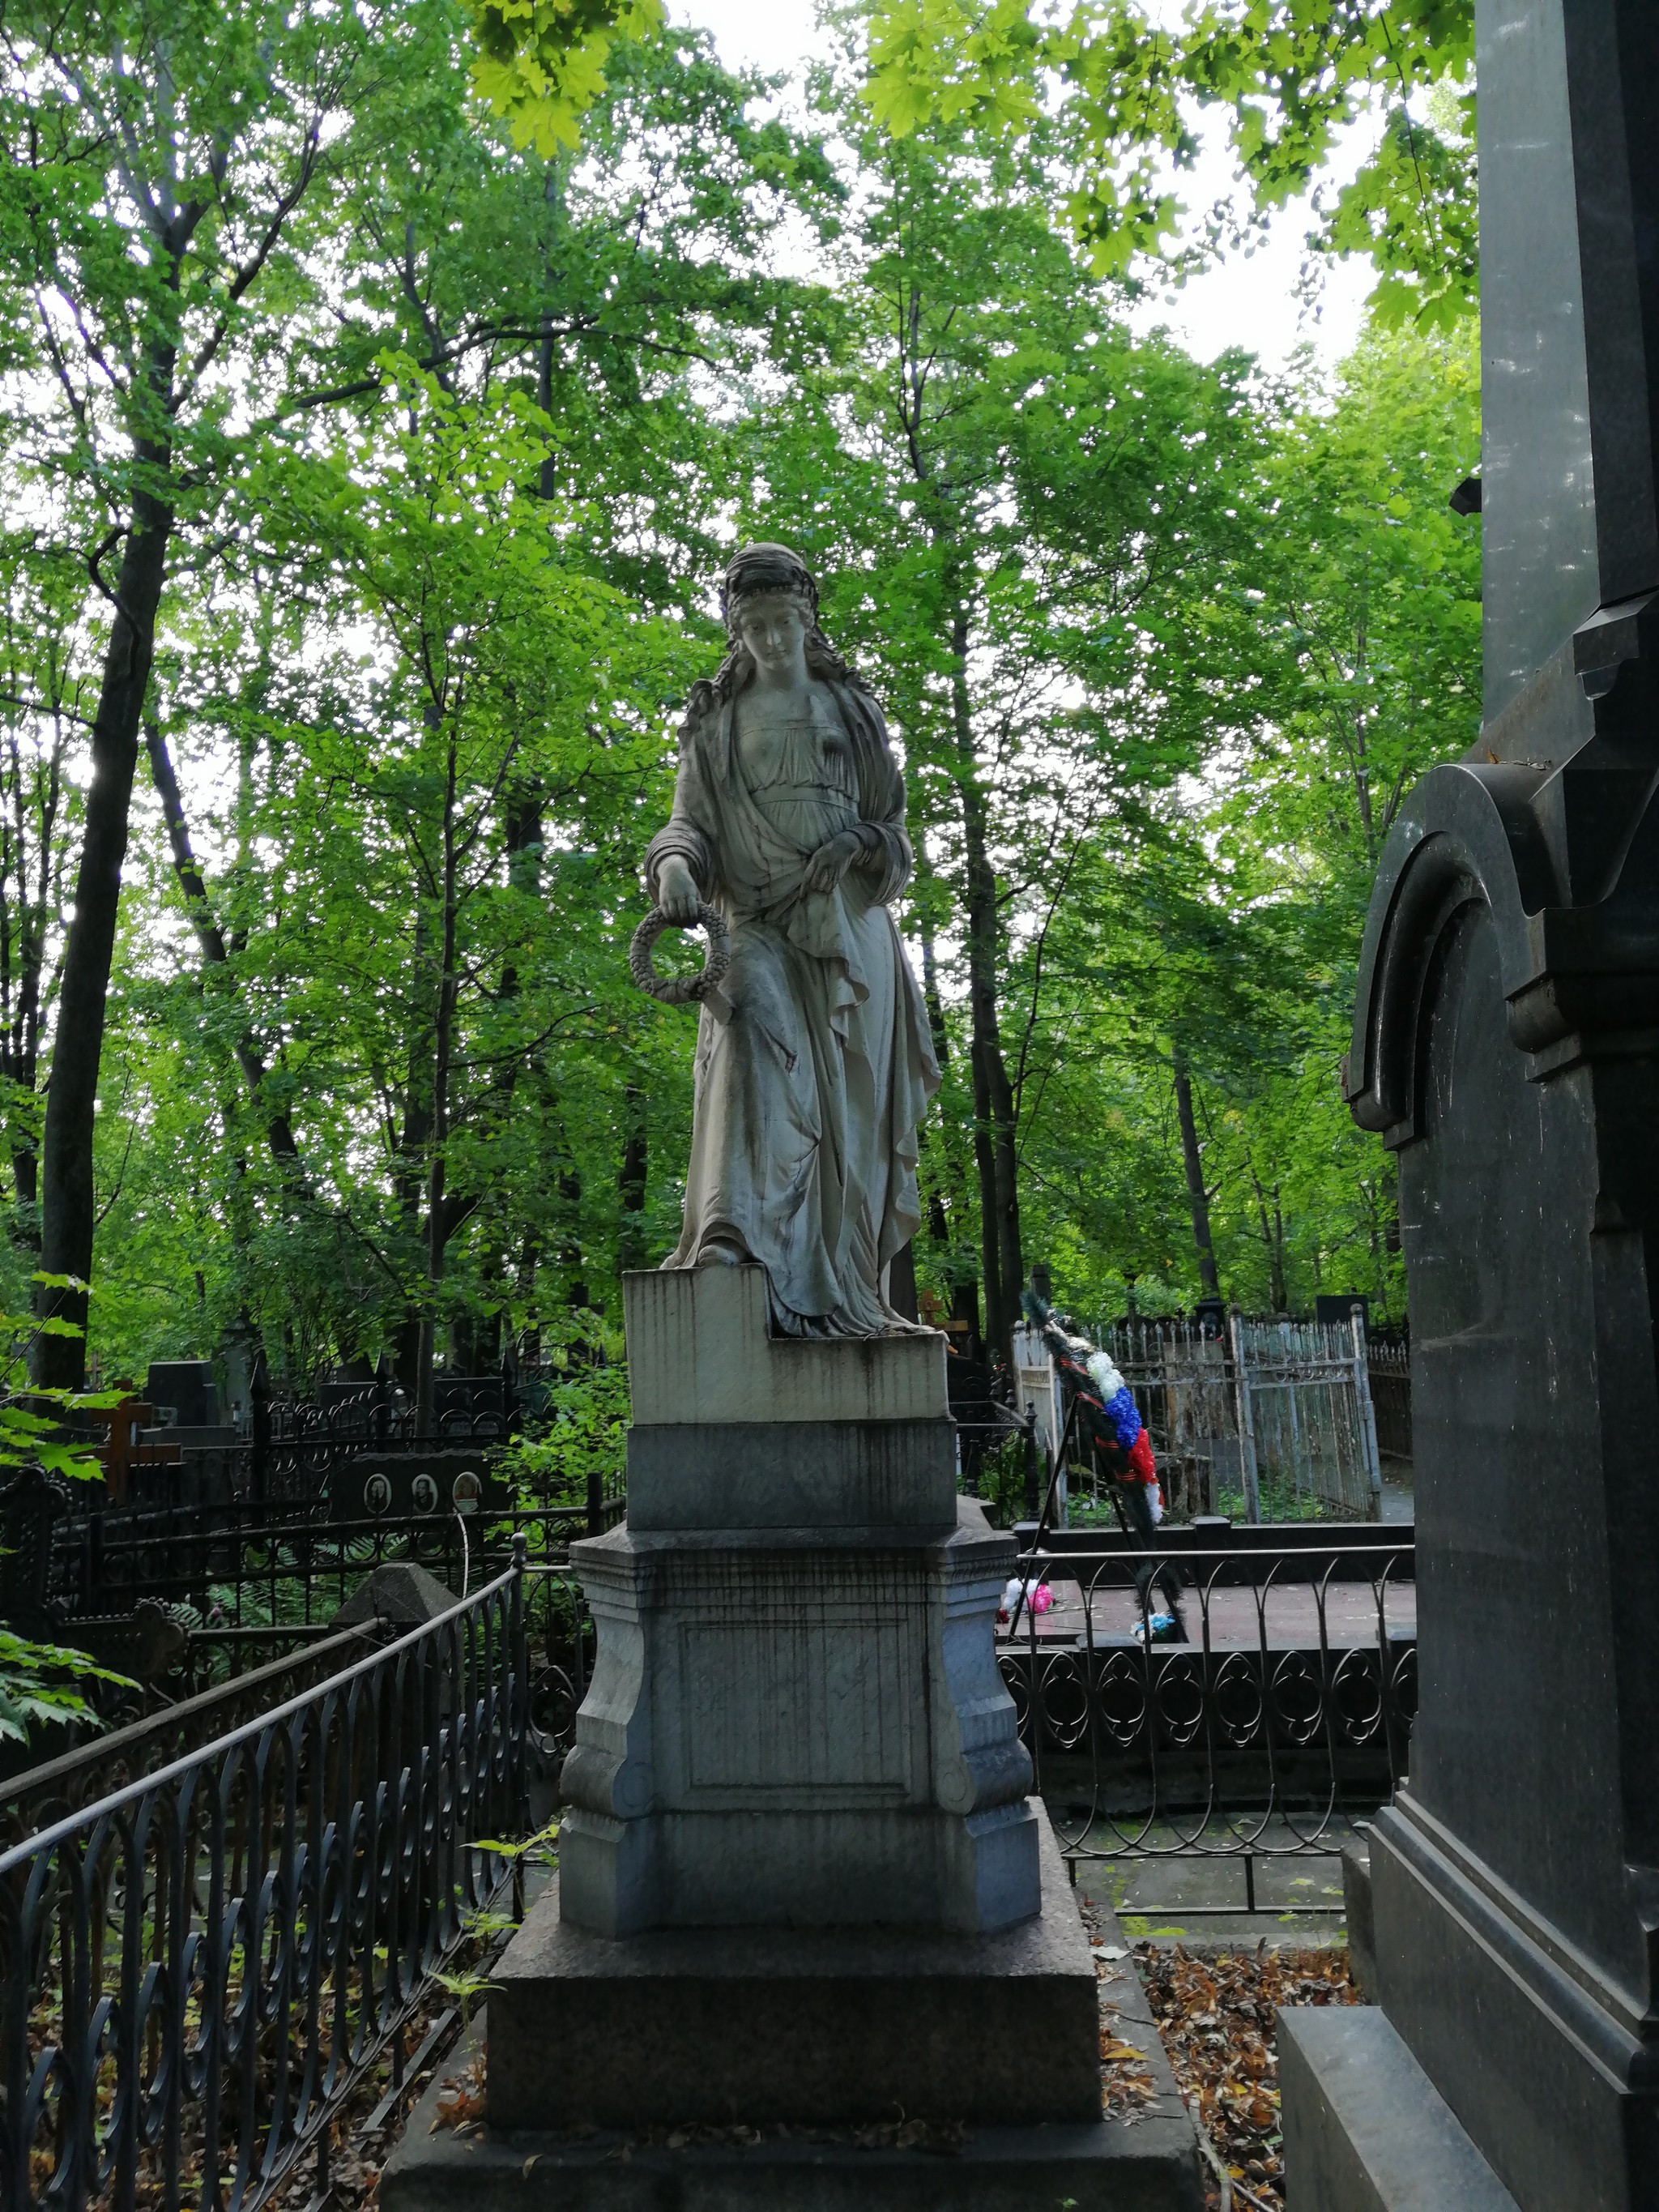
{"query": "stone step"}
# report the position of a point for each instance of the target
(1365, 2129)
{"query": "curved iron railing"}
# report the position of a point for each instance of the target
(560, 1644)
(195, 1970)
(241, 1568)
(35, 1797)
(1285, 1714)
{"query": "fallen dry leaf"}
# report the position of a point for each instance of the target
(461, 2101)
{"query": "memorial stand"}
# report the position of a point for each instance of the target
(796, 1717)
(803, 1889)
(1506, 1047)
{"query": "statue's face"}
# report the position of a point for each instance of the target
(774, 628)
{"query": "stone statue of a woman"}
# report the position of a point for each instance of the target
(789, 818)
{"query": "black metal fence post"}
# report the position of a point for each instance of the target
(258, 1396)
(518, 1724)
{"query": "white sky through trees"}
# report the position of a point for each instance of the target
(1248, 300)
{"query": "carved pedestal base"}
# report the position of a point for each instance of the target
(796, 1717)
(797, 1734)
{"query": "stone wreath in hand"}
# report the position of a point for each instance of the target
(679, 990)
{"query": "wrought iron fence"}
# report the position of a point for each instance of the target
(289, 1468)
(239, 1569)
(197, 1969)
(33, 1797)
(1389, 1362)
(560, 1643)
(1284, 1715)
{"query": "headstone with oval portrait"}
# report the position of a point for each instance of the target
(418, 1485)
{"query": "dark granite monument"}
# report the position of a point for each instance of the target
(1506, 1046)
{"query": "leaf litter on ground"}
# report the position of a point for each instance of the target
(1217, 2016)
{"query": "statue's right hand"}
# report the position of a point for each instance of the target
(676, 892)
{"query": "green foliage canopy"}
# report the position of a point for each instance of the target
(1291, 76)
(1163, 644)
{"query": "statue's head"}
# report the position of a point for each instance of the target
(769, 601)
(767, 573)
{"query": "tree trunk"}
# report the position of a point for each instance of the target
(934, 1003)
(36, 911)
(1198, 1198)
(993, 1099)
(1272, 1236)
(413, 1136)
(998, 1327)
(631, 1181)
(529, 1344)
(26, 1183)
(437, 1212)
(279, 1132)
(570, 1241)
(68, 1205)
(20, 1064)
(547, 480)
(938, 1223)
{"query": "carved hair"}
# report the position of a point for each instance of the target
(755, 571)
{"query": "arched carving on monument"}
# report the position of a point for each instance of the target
(1467, 836)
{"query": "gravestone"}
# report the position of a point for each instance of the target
(404, 1486)
(183, 1393)
(1506, 1046)
(401, 1594)
(186, 1452)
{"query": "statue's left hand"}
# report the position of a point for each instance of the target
(831, 861)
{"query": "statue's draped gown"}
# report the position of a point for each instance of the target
(808, 1098)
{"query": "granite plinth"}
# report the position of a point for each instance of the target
(1359, 1915)
(700, 1349)
(1146, 2161)
(1107, 2166)
(1365, 2129)
(837, 1475)
(796, 1717)
(811, 2027)
(1543, 2057)
(796, 1734)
